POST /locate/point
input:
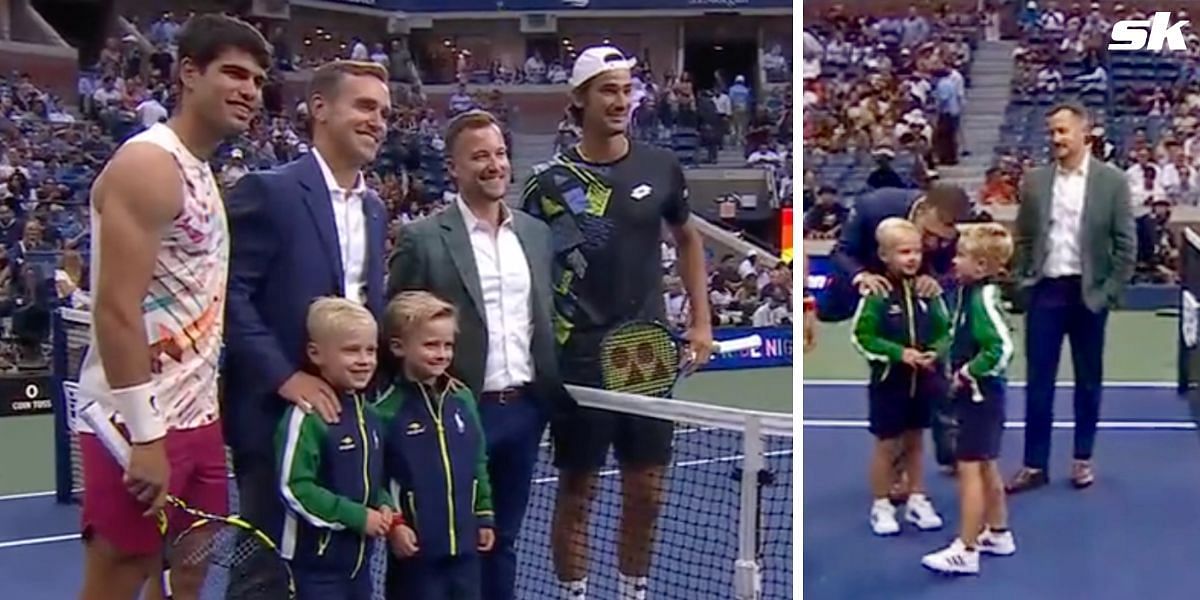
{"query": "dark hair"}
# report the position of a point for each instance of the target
(470, 120)
(204, 37)
(1071, 106)
(950, 202)
(327, 77)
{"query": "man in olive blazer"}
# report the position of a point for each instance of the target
(1075, 253)
(493, 263)
(435, 255)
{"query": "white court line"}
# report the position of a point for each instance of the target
(1133, 385)
(20, 543)
(1127, 425)
(26, 496)
(50, 539)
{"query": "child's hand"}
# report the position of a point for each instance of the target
(487, 539)
(911, 357)
(403, 541)
(377, 524)
(929, 360)
(389, 517)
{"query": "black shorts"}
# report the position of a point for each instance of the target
(583, 436)
(980, 424)
(892, 406)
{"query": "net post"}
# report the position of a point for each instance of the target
(63, 483)
(748, 572)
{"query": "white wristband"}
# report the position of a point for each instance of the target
(138, 408)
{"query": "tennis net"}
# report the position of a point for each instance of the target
(725, 524)
(1189, 310)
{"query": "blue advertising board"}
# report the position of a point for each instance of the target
(436, 6)
(820, 268)
(776, 350)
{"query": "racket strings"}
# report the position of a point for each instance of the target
(222, 545)
(640, 358)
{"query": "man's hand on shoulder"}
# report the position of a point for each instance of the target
(311, 394)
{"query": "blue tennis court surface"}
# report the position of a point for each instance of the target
(1135, 534)
(41, 557)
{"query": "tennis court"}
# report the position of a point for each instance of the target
(1133, 534)
(40, 554)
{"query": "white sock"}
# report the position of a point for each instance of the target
(632, 588)
(574, 590)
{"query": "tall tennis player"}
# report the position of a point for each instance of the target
(158, 268)
(606, 201)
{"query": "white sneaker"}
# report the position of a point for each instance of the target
(883, 518)
(954, 559)
(919, 511)
(997, 544)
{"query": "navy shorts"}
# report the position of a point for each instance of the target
(980, 421)
(446, 578)
(332, 585)
(894, 408)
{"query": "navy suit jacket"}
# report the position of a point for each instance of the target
(284, 254)
(856, 250)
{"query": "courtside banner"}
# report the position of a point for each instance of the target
(776, 350)
(25, 395)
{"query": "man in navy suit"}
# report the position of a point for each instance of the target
(859, 270)
(298, 232)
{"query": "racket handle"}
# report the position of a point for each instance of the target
(107, 432)
(741, 344)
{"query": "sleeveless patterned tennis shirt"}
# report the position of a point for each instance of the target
(184, 309)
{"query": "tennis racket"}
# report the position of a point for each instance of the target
(202, 561)
(644, 357)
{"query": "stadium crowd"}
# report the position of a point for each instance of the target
(52, 152)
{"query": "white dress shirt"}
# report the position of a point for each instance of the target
(504, 280)
(351, 223)
(1066, 218)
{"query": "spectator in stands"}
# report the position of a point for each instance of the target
(358, 50)
(884, 176)
(997, 188)
(740, 101)
(1158, 252)
(825, 219)
(150, 111)
(460, 101)
(1180, 179)
(234, 170)
(774, 312)
(1144, 183)
(676, 301)
(379, 56)
(1102, 149)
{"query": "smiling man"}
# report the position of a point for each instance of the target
(159, 270)
(607, 200)
(304, 230)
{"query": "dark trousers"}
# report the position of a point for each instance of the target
(324, 585)
(260, 504)
(945, 139)
(447, 578)
(513, 430)
(1055, 310)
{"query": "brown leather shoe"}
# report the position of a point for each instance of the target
(1083, 474)
(1027, 479)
